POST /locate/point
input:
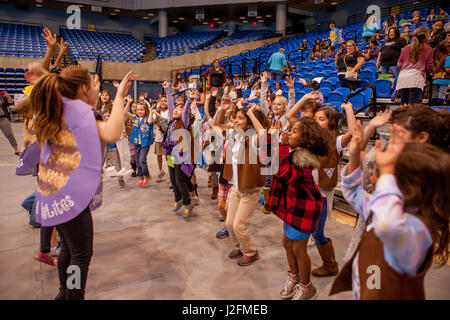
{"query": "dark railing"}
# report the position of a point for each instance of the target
(403, 7)
(352, 32)
(372, 106)
(317, 27)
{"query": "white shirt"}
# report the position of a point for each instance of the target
(159, 134)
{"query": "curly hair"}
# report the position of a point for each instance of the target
(312, 137)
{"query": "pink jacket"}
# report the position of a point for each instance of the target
(424, 64)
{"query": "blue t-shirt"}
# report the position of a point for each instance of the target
(444, 81)
(277, 61)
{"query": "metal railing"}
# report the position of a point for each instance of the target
(372, 106)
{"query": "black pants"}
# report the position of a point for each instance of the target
(77, 237)
(352, 85)
(46, 236)
(410, 95)
(181, 184)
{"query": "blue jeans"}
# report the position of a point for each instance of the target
(439, 91)
(29, 204)
(319, 233)
(276, 75)
(390, 69)
(141, 160)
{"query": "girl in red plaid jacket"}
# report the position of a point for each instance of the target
(296, 199)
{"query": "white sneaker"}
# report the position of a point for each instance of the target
(288, 291)
(305, 292)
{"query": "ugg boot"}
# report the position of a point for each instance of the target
(214, 193)
(266, 191)
(330, 266)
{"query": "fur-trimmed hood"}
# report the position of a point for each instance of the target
(304, 158)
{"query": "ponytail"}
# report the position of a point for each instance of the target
(45, 104)
(419, 40)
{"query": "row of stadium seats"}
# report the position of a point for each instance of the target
(12, 80)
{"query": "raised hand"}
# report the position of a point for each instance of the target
(63, 46)
(381, 118)
(239, 85)
(49, 37)
(289, 82)
(165, 85)
(313, 95)
(116, 84)
(194, 94)
(226, 102)
(124, 85)
(264, 76)
(214, 91)
(385, 160)
(346, 105)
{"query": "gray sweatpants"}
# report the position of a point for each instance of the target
(6, 128)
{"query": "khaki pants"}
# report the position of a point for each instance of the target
(241, 206)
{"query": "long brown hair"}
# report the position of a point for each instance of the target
(45, 102)
(439, 57)
(418, 43)
(419, 164)
(100, 103)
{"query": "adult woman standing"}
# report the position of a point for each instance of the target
(5, 119)
(339, 63)
(216, 75)
(390, 52)
(415, 61)
(72, 138)
(353, 61)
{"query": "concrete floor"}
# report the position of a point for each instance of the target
(143, 251)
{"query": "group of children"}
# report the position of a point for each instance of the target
(296, 150)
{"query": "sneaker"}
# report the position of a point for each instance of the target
(144, 182)
(288, 291)
(42, 257)
(188, 211)
(140, 181)
(311, 242)
(235, 253)
(223, 233)
(304, 292)
(245, 260)
(121, 184)
(195, 201)
(177, 206)
(160, 176)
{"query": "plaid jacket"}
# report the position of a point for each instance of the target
(294, 196)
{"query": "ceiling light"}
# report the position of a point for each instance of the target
(242, 18)
(181, 18)
(117, 10)
(175, 21)
(245, 21)
(113, 14)
(80, 5)
(268, 15)
(39, 5)
(334, 3)
(258, 17)
(151, 14)
(216, 19)
(260, 20)
(220, 22)
(204, 22)
(146, 18)
(38, 0)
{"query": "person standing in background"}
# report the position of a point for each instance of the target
(5, 118)
(276, 63)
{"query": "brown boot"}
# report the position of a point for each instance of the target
(214, 193)
(330, 266)
(266, 191)
(209, 181)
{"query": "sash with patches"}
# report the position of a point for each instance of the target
(70, 171)
(329, 172)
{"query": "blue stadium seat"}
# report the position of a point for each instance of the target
(383, 88)
(344, 91)
(335, 96)
(357, 101)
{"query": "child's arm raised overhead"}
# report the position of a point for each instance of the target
(406, 238)
(264, 89)
(379, 120)
(292, 114)
(256, 124)
(351, 183)
(187, 108)
(291, 101)
(170, 105)
(351, 121)
(206, 105)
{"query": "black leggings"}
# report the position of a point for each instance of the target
(77, 237)
(46, 236)
(181, 184)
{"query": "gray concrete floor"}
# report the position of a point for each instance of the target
(143, 251)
